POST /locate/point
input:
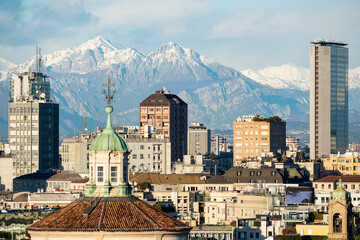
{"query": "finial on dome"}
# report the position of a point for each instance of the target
(109, 95)
(340, 183)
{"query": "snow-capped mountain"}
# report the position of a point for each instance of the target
(293, 77)
(5, 64)
(285, 76)
(215, 94)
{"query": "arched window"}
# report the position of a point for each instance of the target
(337, 223)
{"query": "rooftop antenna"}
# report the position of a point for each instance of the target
(38, 59)
(84, 125)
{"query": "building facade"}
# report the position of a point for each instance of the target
(328, 98)
(256, 136)
(74, 154)
(168, 114)
(149, 155)
(346, 164)
(33, 124)
(199, 139)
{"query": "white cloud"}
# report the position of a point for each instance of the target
(142, 13)
(264, 23)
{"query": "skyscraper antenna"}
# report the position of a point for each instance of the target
(38, 59)
(84, 125)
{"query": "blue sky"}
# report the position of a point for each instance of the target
(241, 34)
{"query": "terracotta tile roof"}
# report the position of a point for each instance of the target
(344, 178)
(125, 214)
(155, 178)
(85, 180)
(65, 177)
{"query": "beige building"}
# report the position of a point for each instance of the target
(6, 172)
(190, 164)
(34, 135)
(149, 154)
(255, 136)
(346, 164)
(199, 139)
(61, 182)
(168, 114)
(74, 154)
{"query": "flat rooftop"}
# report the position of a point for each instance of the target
(326, 42)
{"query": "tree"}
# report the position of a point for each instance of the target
(144, 185)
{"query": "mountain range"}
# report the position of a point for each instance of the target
(216, 94)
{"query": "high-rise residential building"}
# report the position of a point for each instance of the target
(167, 113)
(328, 98)
(33, 123)
(199, 139)
(256, 136)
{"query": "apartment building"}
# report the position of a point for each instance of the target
(168, 114)
(346, 164)
(149, 154)
(256, 136)
(74, 153)
(199, 139)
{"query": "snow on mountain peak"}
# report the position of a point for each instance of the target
(101, 42)
(284, 76)
(5, 64)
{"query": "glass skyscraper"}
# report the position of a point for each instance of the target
(328, 98)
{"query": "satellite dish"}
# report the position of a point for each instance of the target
(42, 95)
(135, 183)
(135, 189)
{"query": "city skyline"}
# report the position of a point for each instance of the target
(239, 34)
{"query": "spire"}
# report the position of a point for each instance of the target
(340, 183)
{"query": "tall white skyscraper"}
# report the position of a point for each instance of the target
(328, 98)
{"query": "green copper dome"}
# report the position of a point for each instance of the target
(340, 193)
(109, 140)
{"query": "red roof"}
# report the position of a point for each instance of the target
(123, 214)
(85, 180)
(344, 178)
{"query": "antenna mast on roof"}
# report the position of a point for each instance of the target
(38, 59)
(84, 125)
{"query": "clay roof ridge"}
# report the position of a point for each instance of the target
(102, 215)
(62, 215)
(156, 225)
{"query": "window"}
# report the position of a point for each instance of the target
(114, 174)
(100, 174)
(142, 147)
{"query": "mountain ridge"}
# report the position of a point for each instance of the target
(216, 94)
